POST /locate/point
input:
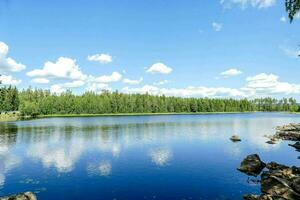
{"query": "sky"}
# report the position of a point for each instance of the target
(191, 48)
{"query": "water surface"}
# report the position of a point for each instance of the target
(137, 157)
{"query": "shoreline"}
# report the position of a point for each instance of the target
(17, 117)
(134, 114)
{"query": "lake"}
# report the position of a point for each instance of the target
(138, 157)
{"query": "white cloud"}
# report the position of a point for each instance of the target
(217, 26)
(186, 92)
(97, 87)
(159, 68)
(102, 58)
(114, 77)
(161, 82)
(283, 19)
(9, 80)
(63, 87)
(246, 3)
(63, 68)
(231, 72)
(293, 53)
(132, 82)
(8, 64)
(40, 80)
(256, 86)
(265, 84)
(57, 89)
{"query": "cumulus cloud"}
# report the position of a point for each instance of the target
(101, 58)
(8, 64)
(186, 92)
(63, 87)
(159, 68)
(9, 80)
(256, 86)
(217, 26)
(98, 87)
(231, 72)
(246, 3)
(132, 82)
(270, 84)
(114, 77)
(40, 80)
(63, 68)
(93, 84)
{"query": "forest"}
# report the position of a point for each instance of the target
(34, 102)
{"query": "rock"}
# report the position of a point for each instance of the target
(252, 165)
(271, 142)
(278, 183)
(276, 166)
(262, 197)
(21, 196)
(296, 146)
(235, 138)
(250, 197)
(288, 132)
(296, 184)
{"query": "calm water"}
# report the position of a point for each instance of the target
(137, 157)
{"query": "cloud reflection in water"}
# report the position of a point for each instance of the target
(161, 157)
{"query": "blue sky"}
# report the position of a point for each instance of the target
(227, 48)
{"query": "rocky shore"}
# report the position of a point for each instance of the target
(288, 132)
(278, 182)
(21, 196)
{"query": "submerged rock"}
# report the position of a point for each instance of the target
(296, 146)
(235, 138)
(271, 142)
(21, 196)
(252, 165)
(262, 197)
(279, 183)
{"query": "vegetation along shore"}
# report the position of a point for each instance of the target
(42, 103)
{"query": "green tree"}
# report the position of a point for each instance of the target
(292, 8)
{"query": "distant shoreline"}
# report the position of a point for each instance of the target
(139, 114)
(155, 114)
(17, 117)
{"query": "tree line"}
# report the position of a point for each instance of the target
(33, 102)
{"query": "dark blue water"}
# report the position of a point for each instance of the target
(137, 157)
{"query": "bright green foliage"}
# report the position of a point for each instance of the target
(41, 102)
(9, 100)
(292, 7)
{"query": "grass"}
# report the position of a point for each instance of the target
(9, 116)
